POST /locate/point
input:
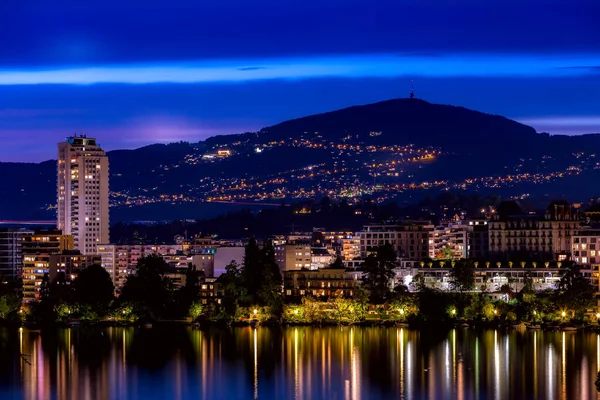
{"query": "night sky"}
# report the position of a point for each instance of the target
(134, 72)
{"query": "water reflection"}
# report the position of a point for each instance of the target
(347, 363)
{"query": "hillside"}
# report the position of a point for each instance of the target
(392, 150)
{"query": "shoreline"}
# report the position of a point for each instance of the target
(414, 325)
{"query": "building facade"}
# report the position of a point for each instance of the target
(451, 237)
(411, 239)
(479, 238)
(70, 263)
(489, 277)
(324, 282)
(293, 255)
(586, 247)
(545, 238)
(83, 179)
(11, 256)
(38, 249)
(120, 260)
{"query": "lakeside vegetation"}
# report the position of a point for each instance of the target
(251, 293)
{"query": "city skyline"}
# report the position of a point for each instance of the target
(187, 71)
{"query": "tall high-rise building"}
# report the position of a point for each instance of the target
(83, 192)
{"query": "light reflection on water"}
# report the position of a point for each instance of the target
(348, 363)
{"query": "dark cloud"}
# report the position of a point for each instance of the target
(251, 68)
(92, 32)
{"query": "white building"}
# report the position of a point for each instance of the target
(83, 193)
(321, 257)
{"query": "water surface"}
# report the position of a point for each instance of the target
(348, 363)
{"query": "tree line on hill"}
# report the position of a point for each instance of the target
(304, 216)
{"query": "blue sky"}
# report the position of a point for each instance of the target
(138, 72)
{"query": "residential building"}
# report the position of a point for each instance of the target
(11, 256)
(324, 282)
(38, 250)
(452, 237)
(479, 238)
(120, 260)
(293, 255)
(354, 264)
(83, 177)
(410, 239)
(70, 263)
(321, 257)
(586, 246)
(585, 249)
(210, 291)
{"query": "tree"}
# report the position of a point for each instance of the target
(233, 290)
(447, 253)
(269, 292)
(189, 293)
(45, 287)
(59, 290)
(574, 291)
(148, 288)
(403, 305)
(462, 276)
(337, 263)
(378, 270)
(251, 271)
(93, 286)
(9, 305)
(344, 310)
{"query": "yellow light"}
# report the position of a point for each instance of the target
(563, 313)
(495, 311)
(255, 311)
(295, 311)
(598, 315)
(401, 311)
(453, 311)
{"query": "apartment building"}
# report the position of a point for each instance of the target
(410, 239)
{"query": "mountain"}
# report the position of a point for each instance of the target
(401, 149)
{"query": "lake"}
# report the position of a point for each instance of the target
(347, 363)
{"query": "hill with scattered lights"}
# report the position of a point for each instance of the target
(395, 150)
